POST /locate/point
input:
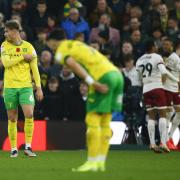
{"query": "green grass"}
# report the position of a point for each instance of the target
(121, 165)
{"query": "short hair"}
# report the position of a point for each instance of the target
(41, 2)
(57, 34)
(149, 45)
(13, 25)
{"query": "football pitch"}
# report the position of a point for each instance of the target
(121, 165)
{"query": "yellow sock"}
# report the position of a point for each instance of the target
(93, 135)
(12, 133)
(106, 134)
(28, 129)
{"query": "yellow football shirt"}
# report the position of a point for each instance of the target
(17, 70)
(94, 62)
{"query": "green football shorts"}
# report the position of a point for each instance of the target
(112, 100)
(15, 96)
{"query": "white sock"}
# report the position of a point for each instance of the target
(14, 149)
(162, 130)
(101, 158)
(92, 159)
(27, 145)
(169, 116)
(151, 131)
(175, 124)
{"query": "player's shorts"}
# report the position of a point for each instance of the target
(15, 96)
(112, 100)
(173, 98)
(155, 99)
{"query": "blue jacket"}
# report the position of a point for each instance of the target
(72, 28)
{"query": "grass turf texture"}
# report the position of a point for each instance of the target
(123, 165)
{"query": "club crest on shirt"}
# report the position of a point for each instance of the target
(24, 49)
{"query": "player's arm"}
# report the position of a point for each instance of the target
(36, 77)
(82, 73)
(164, 71)
(8, 61)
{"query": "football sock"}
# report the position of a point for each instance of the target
(93, 135)
(106, 134)
(151, 131)
(169, 116)
(28, 129)
(163, 129)
(12, 133)
(175, 124)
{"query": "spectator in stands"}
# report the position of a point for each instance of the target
(126, 50)
(82, 102)
(101, 8)
(51, 23)
(134, 24)
(45, 67)
(175, 12)
(103, 40)
(40, 16)
(130, 71)
(126, 17)
(74, 24)
(117, 7)
(105, 21)
(136, 12)
(134, 92)
(163, 12)
(79, 37)
(18, 8)
(73, 4)
(69, 89)
(157, 34)
(25, 29)
(151, 16)
(95, 45)
(52, 103)
(1, 28)
(138, 46)
(40, 43)
(173, 30)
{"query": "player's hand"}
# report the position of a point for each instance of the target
(39, 94)
(28, 57)
(102, 88)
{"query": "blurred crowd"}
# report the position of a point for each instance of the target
(116, 28)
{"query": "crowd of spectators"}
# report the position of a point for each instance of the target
(117, 28)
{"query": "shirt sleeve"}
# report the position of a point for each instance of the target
(7, 59)
(61, 54)
(34, 68)
(163, 70)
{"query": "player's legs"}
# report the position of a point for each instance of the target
(155, 100)
(169, 114)
(151, 126)
(93, 135)
(26, 99)
(11, 102)
(12, 130)
(162, 125)
(175, 121)
(106, 134)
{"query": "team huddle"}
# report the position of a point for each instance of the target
(161, 94)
